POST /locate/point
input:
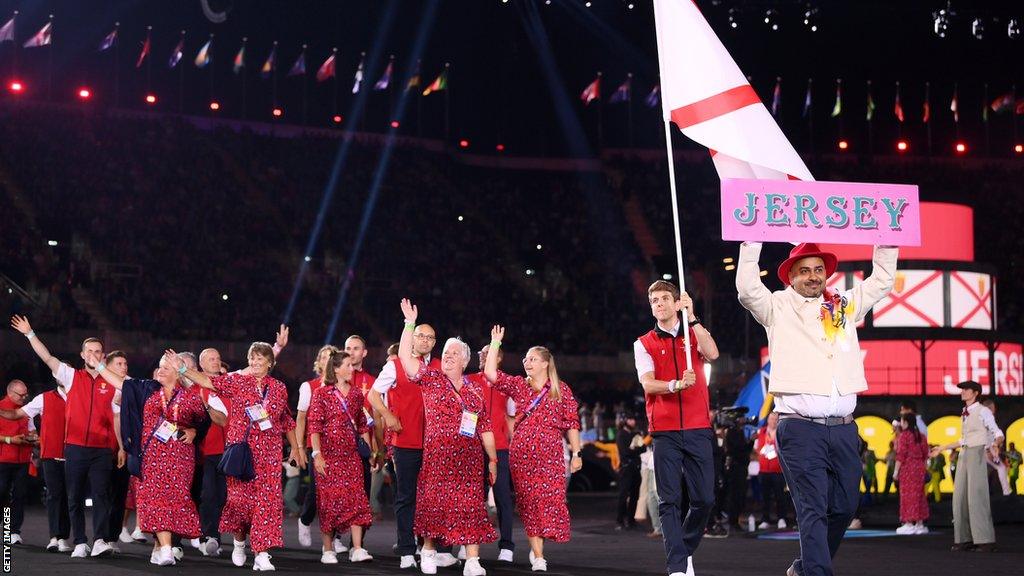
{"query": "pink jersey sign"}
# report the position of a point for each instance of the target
(826, 212)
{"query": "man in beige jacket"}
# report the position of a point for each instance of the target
(816, 372)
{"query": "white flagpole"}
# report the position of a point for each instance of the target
(685, 326)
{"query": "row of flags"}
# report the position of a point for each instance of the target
(624, 93)
(204, 57)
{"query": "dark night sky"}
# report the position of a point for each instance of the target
(498, 92)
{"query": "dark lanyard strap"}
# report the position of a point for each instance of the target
(535, 402)
(458, 394)
(344, 406)
(157, 425)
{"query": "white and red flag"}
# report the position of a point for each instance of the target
(42, 38)
(592, 91)
(706, 95)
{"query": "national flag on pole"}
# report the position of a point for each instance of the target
(807, 100)
(203, 58)
(1003, 103)
(898, 106)
(710, 100)
(837, 108)
(439, 83)
(777, 97)
(414, 80)
(7, 31)
(592, 91)
(145, 49)
(358, 80)
(270, 64)
(299, 68)
(42, 38)
(624, 92)
(871, 104)
(654, 97)
(239, 59)
(954, 107)
(109, 40)
(926, 112)
(326, 69)
(385, 79)
(177, 53)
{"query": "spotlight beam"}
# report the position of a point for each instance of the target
(419, 46)
(355, 113)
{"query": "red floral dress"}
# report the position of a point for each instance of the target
(450, 503)
(256, 506)
(536, 457)
(913, 459)
(340, 499)
(163, 501)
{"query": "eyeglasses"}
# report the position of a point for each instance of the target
(425, 336)
(20, 395)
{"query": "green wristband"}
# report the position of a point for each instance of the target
(410, 326)
(495, 344)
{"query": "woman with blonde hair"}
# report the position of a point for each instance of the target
(306, 391)
(545, 410)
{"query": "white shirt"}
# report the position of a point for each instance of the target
(816, 405)
(217, 404)
(65, 375)
(643, 361)
(305, 395)
(386, 379)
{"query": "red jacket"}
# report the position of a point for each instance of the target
(684, 410)
(90, 419)
(13, 453)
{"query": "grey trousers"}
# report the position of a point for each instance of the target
(972, 512)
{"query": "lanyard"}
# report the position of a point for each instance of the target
(536, 401)
(165, 404)
(458, 394)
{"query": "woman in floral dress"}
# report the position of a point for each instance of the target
(164, 505)
(911, 464)
(335, 417)
(545, 411)
(450, 505)
(255, 509)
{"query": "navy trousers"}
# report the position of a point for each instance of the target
(215, 494)
(502, 499)
(56, 498)
(823, 470)
(309, 504)
(88, 467)
(683, 457)
(13, 485)
(119, 483)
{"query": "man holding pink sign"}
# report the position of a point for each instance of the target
(816, 372)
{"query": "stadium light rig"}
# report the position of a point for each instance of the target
(84, 93)
(902, 146)
(150, 98)
(16, 87)
(961, 148)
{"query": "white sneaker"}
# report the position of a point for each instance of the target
(101, 548)
(52, 545)
(504, 555)
(920, 529)
(154, 556)
(305, 538)
(539, 565)
(905, 529)
(445, 559)
(689, 566)
(782, 524)
(855, 524)
(16, 539)
(167, 557)
(178, 552)
(125, 536)
(195, 543)
(81, 551)
(211, 547)
(473, 568)
(138, 535)
(262, 563)
(63, 545)
(359, 555)
(339, 545)
(428, 561)
(238, 554)
(462, 552)
(764, 526)
(329, 557)
(532, 557)
(407, 561)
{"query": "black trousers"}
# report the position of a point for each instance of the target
(773, 489)
(119, 480)
(685, 470)
(88, 467)
(308, 512)
(629, 493)
(214, 495)
(736, 490)
(502, 499)
(407, 471)
(56, 498)
(13, 486)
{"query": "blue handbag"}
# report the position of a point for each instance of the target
(237, 458)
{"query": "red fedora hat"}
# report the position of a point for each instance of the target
(807, 250)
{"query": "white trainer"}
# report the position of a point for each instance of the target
(195, 543)
(329, 557)
(445, 559)
(782, 524)
(52, 545)
(428, 561)
(154, 556)
(125, 536)
(238, 554)
(359, 555)
(473, 568)
(101, 548)
(539, 565)
(178, 552)
(211, 547)
(16, 539)
(166, 556)
(689, 566)
(262, 563)
(339, 545)
(406, 562)
(504, 555)
(138, 535)
(63, 545)
(764, 526)
(905, 529)
(305, 538)
(462, 553)
(920, 529)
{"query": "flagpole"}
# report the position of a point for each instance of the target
(685, 326)
(629, 111)
(242, 71)
(49, 64)
(447, 103)
(181, 78)
(117, 69)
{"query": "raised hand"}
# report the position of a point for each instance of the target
(20, 323)
(282, 337)
(173, 361)
(685, 302)
(409, 310)
(497, 333)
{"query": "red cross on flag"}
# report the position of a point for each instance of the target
(915, 300)
(707, 96)
(970, 300)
